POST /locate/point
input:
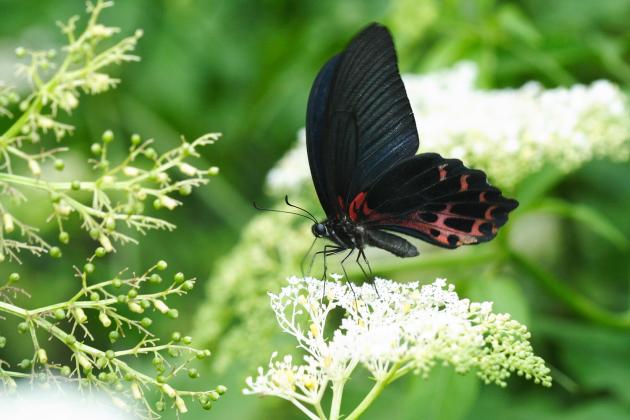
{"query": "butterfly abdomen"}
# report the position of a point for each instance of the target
(391, 243)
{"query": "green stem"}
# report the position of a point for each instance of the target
(373, 394)
(335, 405)
(580, 304)
(12, 131)
(319, 411)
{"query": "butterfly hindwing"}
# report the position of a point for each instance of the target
(438, 200)
(359, 120)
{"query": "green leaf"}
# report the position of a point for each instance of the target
(541, 404)
(434, 397)
(587, 215)
(595, 358)
(535, 186)
(514, 21)
(505, 293)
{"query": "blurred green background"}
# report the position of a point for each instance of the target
(244, 68)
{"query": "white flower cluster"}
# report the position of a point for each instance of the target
(510, 133)
(391, 329)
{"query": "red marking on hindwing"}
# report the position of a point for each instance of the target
(463, 183)
(482, 197)
(488, 213)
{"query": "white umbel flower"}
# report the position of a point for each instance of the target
(390, 329)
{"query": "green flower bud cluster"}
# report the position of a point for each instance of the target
(118, 304)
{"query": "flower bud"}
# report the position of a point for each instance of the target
(34, 167)
(187, 169)
(168, 202)
(135, 307)
(131, 171)
(181, 406)
(64, 237)
(160, 306)
(168, 390)
(107, 244)
(7, 221)
(84, 361)
(102, 316)
(59, 164)
(42, 356)
(55, 252)
(108, 136)
(22, 327)
(79, 315)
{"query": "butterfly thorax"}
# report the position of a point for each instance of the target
(342, 231)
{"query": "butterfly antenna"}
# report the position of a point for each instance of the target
(282, 211)
(286, 200)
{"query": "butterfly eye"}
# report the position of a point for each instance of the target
(319, 229)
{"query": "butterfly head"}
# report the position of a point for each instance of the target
(319, 230)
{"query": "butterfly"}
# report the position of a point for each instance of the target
(362, 141)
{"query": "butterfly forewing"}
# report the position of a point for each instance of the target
(359, 120)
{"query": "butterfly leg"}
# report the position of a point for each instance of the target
(333, 250)
(368, 277)
(371, 278)
(310, 266)
(345, 274)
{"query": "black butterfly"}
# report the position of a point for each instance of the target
(362, 142)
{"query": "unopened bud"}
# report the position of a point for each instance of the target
(135, 307)
(36, 170)
(187, 169)
(7, 220)
(181, 405)
(160, 306)
(131, 171)
(168, 390)
(107, 244)
(79, 315)
(42, 356)
(104, 319)
(168, 202)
